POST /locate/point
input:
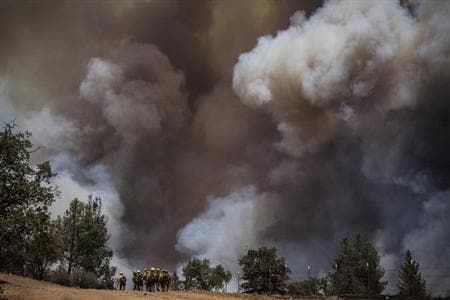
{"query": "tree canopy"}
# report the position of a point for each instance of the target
(263, 271)
(411, 285)
(30, 241)
(85, 238)
(200, 275)
(310, 287)
(357, 270)
(26, 236)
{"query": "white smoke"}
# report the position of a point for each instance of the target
(54, 136)
(100, 186)
(346, 65)
(346, 54)
(229, 226)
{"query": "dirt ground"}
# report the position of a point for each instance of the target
(18, 288)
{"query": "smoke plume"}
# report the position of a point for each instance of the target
(355, 91)
(210, 127)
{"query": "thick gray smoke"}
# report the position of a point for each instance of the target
(358, 92)
(202, 146)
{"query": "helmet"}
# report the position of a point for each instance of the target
(157, 269)
(145, 270)
(138, 271)
(121, 273)
(153, 269)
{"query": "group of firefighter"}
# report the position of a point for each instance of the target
(153, 279)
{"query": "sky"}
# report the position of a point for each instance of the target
(211, 127)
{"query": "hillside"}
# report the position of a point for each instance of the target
(18, 288)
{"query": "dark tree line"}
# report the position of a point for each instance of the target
(73, 249)
(356, 274)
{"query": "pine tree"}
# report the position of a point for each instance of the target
(85, 239)
(411, 284)
(357, 269)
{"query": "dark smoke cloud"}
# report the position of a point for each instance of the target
(358, 92)
(142, 90)
(335, 125)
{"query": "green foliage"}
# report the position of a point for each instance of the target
(357, 269)
(84, 239)
(22, 187)
(176, 282)
(199, 275)
(30, 242)
(310, 287)
(264, 271)
(77, 278)
(26, 233)
(43, 249)
(411, 285)
(196, 274)
(219, 277)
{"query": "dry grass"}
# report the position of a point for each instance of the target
(18, 288)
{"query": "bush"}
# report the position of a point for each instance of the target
(59, 277)
(79, 279)
(85, 280)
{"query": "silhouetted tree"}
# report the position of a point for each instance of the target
(199, 275)
(219, 278)
(310, 287)
(411, 285)
(176, 283)
(263, 271)
(357, 270)
(196, 273)
(26, 237)
(43, 248)
(85, 240)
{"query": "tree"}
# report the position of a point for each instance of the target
(263, 271)
(357, 270)
(310, 287)
(25, 195)
(219, 278)
(176, 282)
(411, 285)
(199, 275)
(196, 274)
(43, 248)
(84, 239)
(22, 185)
